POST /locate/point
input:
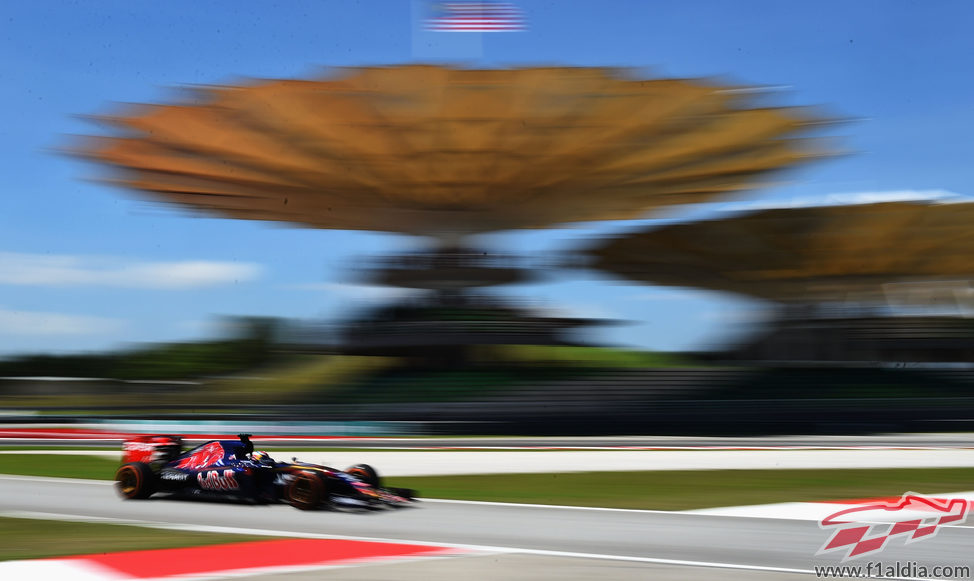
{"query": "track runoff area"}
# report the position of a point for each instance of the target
(916, 536)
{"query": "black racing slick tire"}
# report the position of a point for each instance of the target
(135, 480)
(305, 491)
(366, 474)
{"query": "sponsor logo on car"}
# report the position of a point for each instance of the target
(209, 455)
(173, 475)
(138, 447)
(215, 480)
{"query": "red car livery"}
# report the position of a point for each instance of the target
(207, 455)
(232, 469)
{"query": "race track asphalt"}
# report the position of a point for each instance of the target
(633, 544)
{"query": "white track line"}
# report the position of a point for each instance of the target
(430, 500)
(558, 506)
(470, 547)
(55, 480)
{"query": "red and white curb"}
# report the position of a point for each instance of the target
(215, 561)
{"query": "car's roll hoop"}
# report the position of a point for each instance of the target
(248, 446)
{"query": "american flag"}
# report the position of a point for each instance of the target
(475, 17)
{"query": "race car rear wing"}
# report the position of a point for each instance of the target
(149, 449)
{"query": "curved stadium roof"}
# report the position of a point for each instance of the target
(803, 254)
(431, 150)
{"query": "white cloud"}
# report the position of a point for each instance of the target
(40, 323)
(851, 198)
(199, 327)
(369, 292)
(67, 270)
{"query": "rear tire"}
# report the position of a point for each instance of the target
(366, 474)
(135, 480)
(306, 491)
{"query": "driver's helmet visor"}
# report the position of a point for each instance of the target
(261, 457)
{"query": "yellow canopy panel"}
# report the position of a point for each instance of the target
(427, 150)
(803, 254)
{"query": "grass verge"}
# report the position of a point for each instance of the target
(60, 465)
(659, 490)
(599, 357)
(36, 539)
(685, 490)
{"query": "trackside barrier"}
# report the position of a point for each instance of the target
(282, 428)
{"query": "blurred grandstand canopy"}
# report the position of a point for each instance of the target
(823, 253)
(446, 152)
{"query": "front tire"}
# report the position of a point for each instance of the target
(135, 480)
(306, 491)
(366, 474)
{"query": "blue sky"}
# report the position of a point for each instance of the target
(85, 267)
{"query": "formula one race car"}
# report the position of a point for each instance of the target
(232, 469)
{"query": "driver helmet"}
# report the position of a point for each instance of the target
(261, 457)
